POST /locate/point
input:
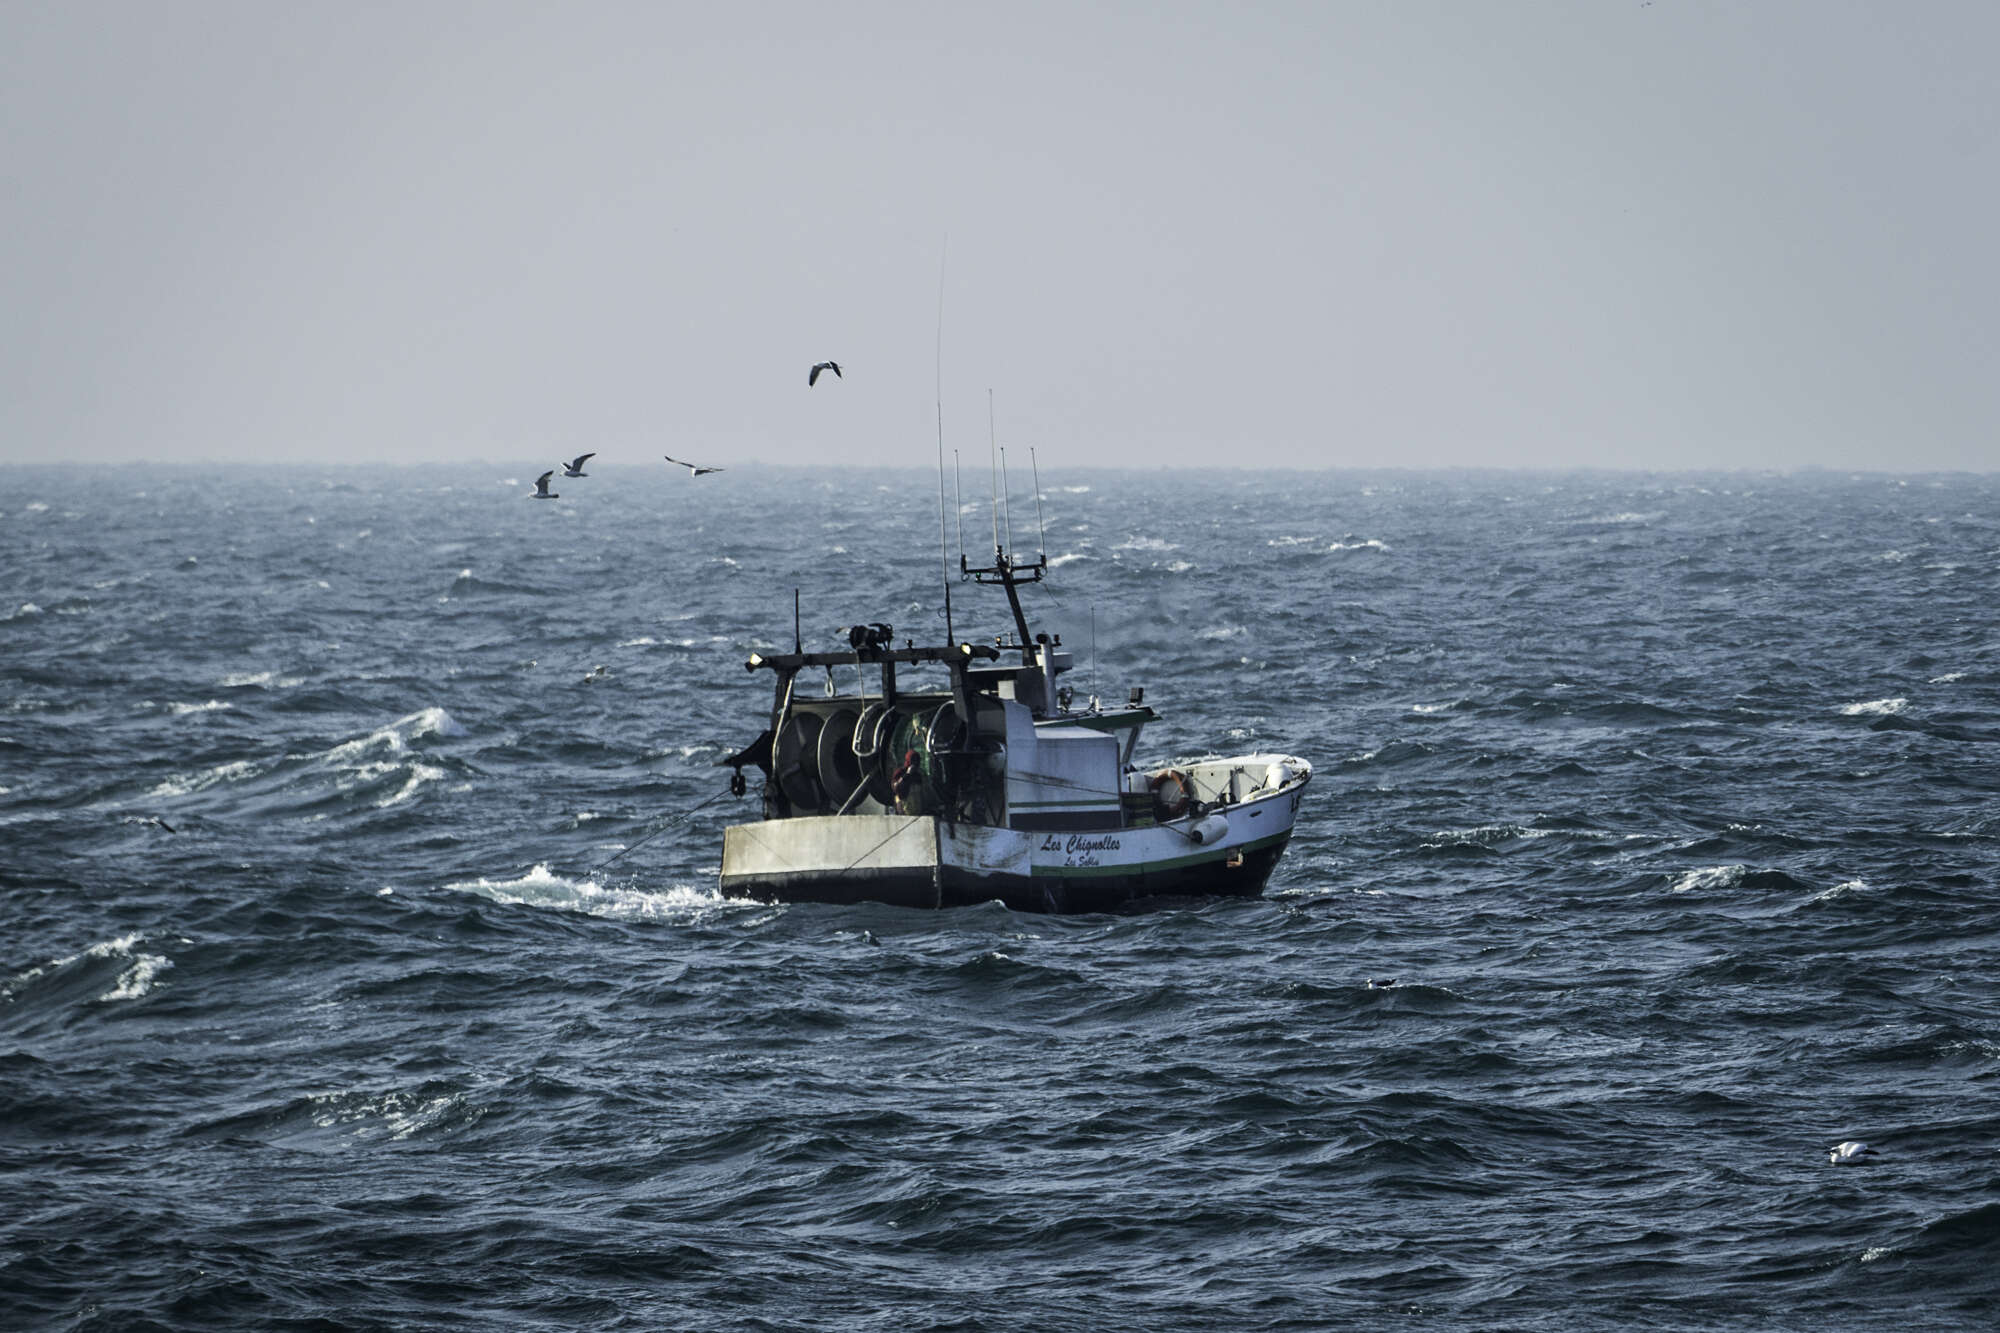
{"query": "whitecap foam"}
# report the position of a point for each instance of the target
(1220, 632)
(542, 887)
(22, 612)
(1372, 544)
(237, 680)
(1629, 516)
(1144, 544)
(1708, 877)
(1875, 708)
(397, 736)
(1484, 835)
(1179, 566)
(1291, 541)
(38, 507)
(1894, 557)
(212, 706)
(1066, 558)
(135, 980)
(1435, 708)
(185, 784)
(643, 641)
(402, 1114)
(419, 775)
(1948, 678)
(1841, 890)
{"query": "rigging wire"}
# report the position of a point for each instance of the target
(671, 822)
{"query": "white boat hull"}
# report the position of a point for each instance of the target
(925, 861)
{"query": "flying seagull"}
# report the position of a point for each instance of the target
(813, 378)
(694, 469)
(576, 469)
(1849, 1153)
(542, 491)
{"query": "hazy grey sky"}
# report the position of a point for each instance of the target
(1513, 233)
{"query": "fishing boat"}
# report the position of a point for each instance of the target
(997, 782)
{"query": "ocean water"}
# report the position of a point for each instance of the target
(1652, 849)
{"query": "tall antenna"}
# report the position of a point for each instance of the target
(1006, 500)
(1041, 533)
(944, 558)
(958, 507)
(993, 466)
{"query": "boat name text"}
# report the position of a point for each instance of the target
(1080, 844)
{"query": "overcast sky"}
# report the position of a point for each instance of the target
(1531, 233)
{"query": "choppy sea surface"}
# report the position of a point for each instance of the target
(1653, 848)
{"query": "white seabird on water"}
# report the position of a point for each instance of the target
(813, 377)
(576, 469)
(694, 469)
(542, 491)
(1849, 1153)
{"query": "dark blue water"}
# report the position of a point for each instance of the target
(1653, 848)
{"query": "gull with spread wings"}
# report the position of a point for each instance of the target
(694, 469)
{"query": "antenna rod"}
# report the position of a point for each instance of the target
(1093, 650)
(944, 557)
(1041, 532)
(798, 644)
(958, 503)
(1007, 499)
(993, 466)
